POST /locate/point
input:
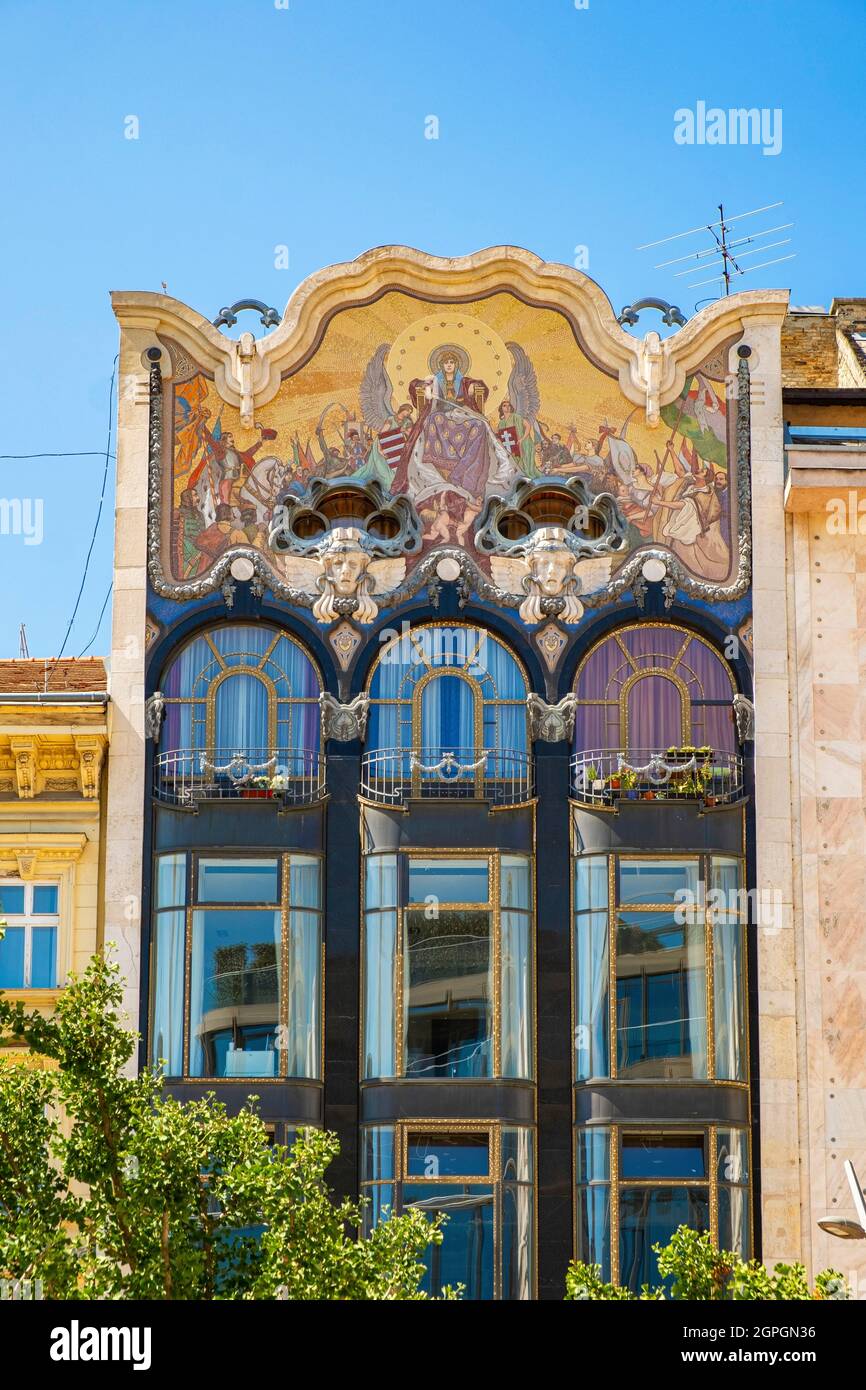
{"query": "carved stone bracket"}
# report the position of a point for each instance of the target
(744, 717)
(344, 723)
(33, 854)
(651, 364)
(154, 712)
(551, 723)
(24, 753)
(91, 751)
(57, 764)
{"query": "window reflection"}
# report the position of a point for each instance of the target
(666, 913)
(449, 1016)
(663, 1156)
(439, 1155)
(238, 881)
(458, 954)
(466, 1254)
(254, 975)
(661, 997)
(649, 1216)
(448, 880)
(235, 992)
(482, 1178)
(634, 1188)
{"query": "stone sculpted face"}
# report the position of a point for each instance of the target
(551, 566)
(550, 562)
(344, 560)
(344, 564)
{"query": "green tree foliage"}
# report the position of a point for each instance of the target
(696, 1270)
(109, 1188)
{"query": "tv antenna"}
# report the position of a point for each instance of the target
(728, 250)
(23, 649)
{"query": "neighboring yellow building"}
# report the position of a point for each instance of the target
(53, 738)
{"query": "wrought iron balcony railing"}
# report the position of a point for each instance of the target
(291, 776)
(394, 776)
(603, 777)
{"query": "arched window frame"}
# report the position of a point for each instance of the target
(688, 704)
(206, 682)
(419, 674)
(487, 701)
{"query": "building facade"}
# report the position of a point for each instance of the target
(53, 740)
(824, 406)
(439, 811)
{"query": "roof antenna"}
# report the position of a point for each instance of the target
(729, 257)
(23, 649)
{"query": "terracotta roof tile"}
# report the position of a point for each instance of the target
(18, 677)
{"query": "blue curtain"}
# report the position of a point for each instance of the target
(241, 710)
(447, 714)
(242, 699)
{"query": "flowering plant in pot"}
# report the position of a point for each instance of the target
(256, 787)
(628, 783)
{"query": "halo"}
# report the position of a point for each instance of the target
(438, 355)
(473, 341)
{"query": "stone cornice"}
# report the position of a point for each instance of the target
(247, 373)
(30, 854)
(51, 760)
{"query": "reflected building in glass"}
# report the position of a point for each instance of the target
(440, 786)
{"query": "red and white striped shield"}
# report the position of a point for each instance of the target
(391, 444)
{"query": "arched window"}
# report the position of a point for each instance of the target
(240, 688)
(447, 712)
(653, 686)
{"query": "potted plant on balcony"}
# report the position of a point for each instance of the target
(279, 785)
(628, 783)
(256, 788)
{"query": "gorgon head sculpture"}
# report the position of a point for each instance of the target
(344, 555)
(551, 560)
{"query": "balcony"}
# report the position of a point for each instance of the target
(396, 776)
(290, 777)
(605, 777)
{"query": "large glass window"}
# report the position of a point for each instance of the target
(28, 950)
(241, 688)
(447, 716)
(447, 956)
(648, 687)
(647, 930)
(237, 966)
(636, 1187)
(592, 967)
(482, 1177)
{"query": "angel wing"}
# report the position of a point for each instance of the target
(523, 384)
(376, 390)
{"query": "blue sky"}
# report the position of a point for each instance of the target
(304, 126)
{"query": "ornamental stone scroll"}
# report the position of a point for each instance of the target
(551, 723)
(344, 723)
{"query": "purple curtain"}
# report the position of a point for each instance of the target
(654, 714)
(654, 720)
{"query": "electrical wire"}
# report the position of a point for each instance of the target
(99, 622)
(108, 455)
(86, 454)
